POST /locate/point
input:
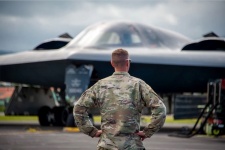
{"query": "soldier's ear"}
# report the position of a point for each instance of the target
(112, 64)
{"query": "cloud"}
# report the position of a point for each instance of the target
(25, 24)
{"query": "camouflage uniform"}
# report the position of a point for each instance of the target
(121, 99)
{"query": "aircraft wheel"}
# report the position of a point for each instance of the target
(70, 121)
(60, 115)
(45, 116)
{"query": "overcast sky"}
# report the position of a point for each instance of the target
(25, 24)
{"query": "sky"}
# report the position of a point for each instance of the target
(26, 23)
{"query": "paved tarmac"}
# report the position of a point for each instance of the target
(34, 137)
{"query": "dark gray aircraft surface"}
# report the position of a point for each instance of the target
(54, 43)
(207, 44)
(156, 58)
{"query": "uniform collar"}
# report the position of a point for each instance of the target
(121, 73)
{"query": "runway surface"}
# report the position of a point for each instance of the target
(33, 137)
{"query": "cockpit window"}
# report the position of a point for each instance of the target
(151, 39)
(119, 36)
(127, 35)
(88, 38)
(116, 38)
(110, 38)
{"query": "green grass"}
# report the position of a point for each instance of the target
(2, 108)
(170, 119)
(144, 119)
(18, 118)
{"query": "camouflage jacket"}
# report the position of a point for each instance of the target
(121, 99)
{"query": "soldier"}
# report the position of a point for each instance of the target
(121, 98)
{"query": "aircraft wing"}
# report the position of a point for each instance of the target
(140, 56)
(156, 58)
(167, 72)
(45, 68)
(33, 56)
(193, 58)
(48, 68)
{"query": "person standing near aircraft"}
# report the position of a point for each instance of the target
(121, 98)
